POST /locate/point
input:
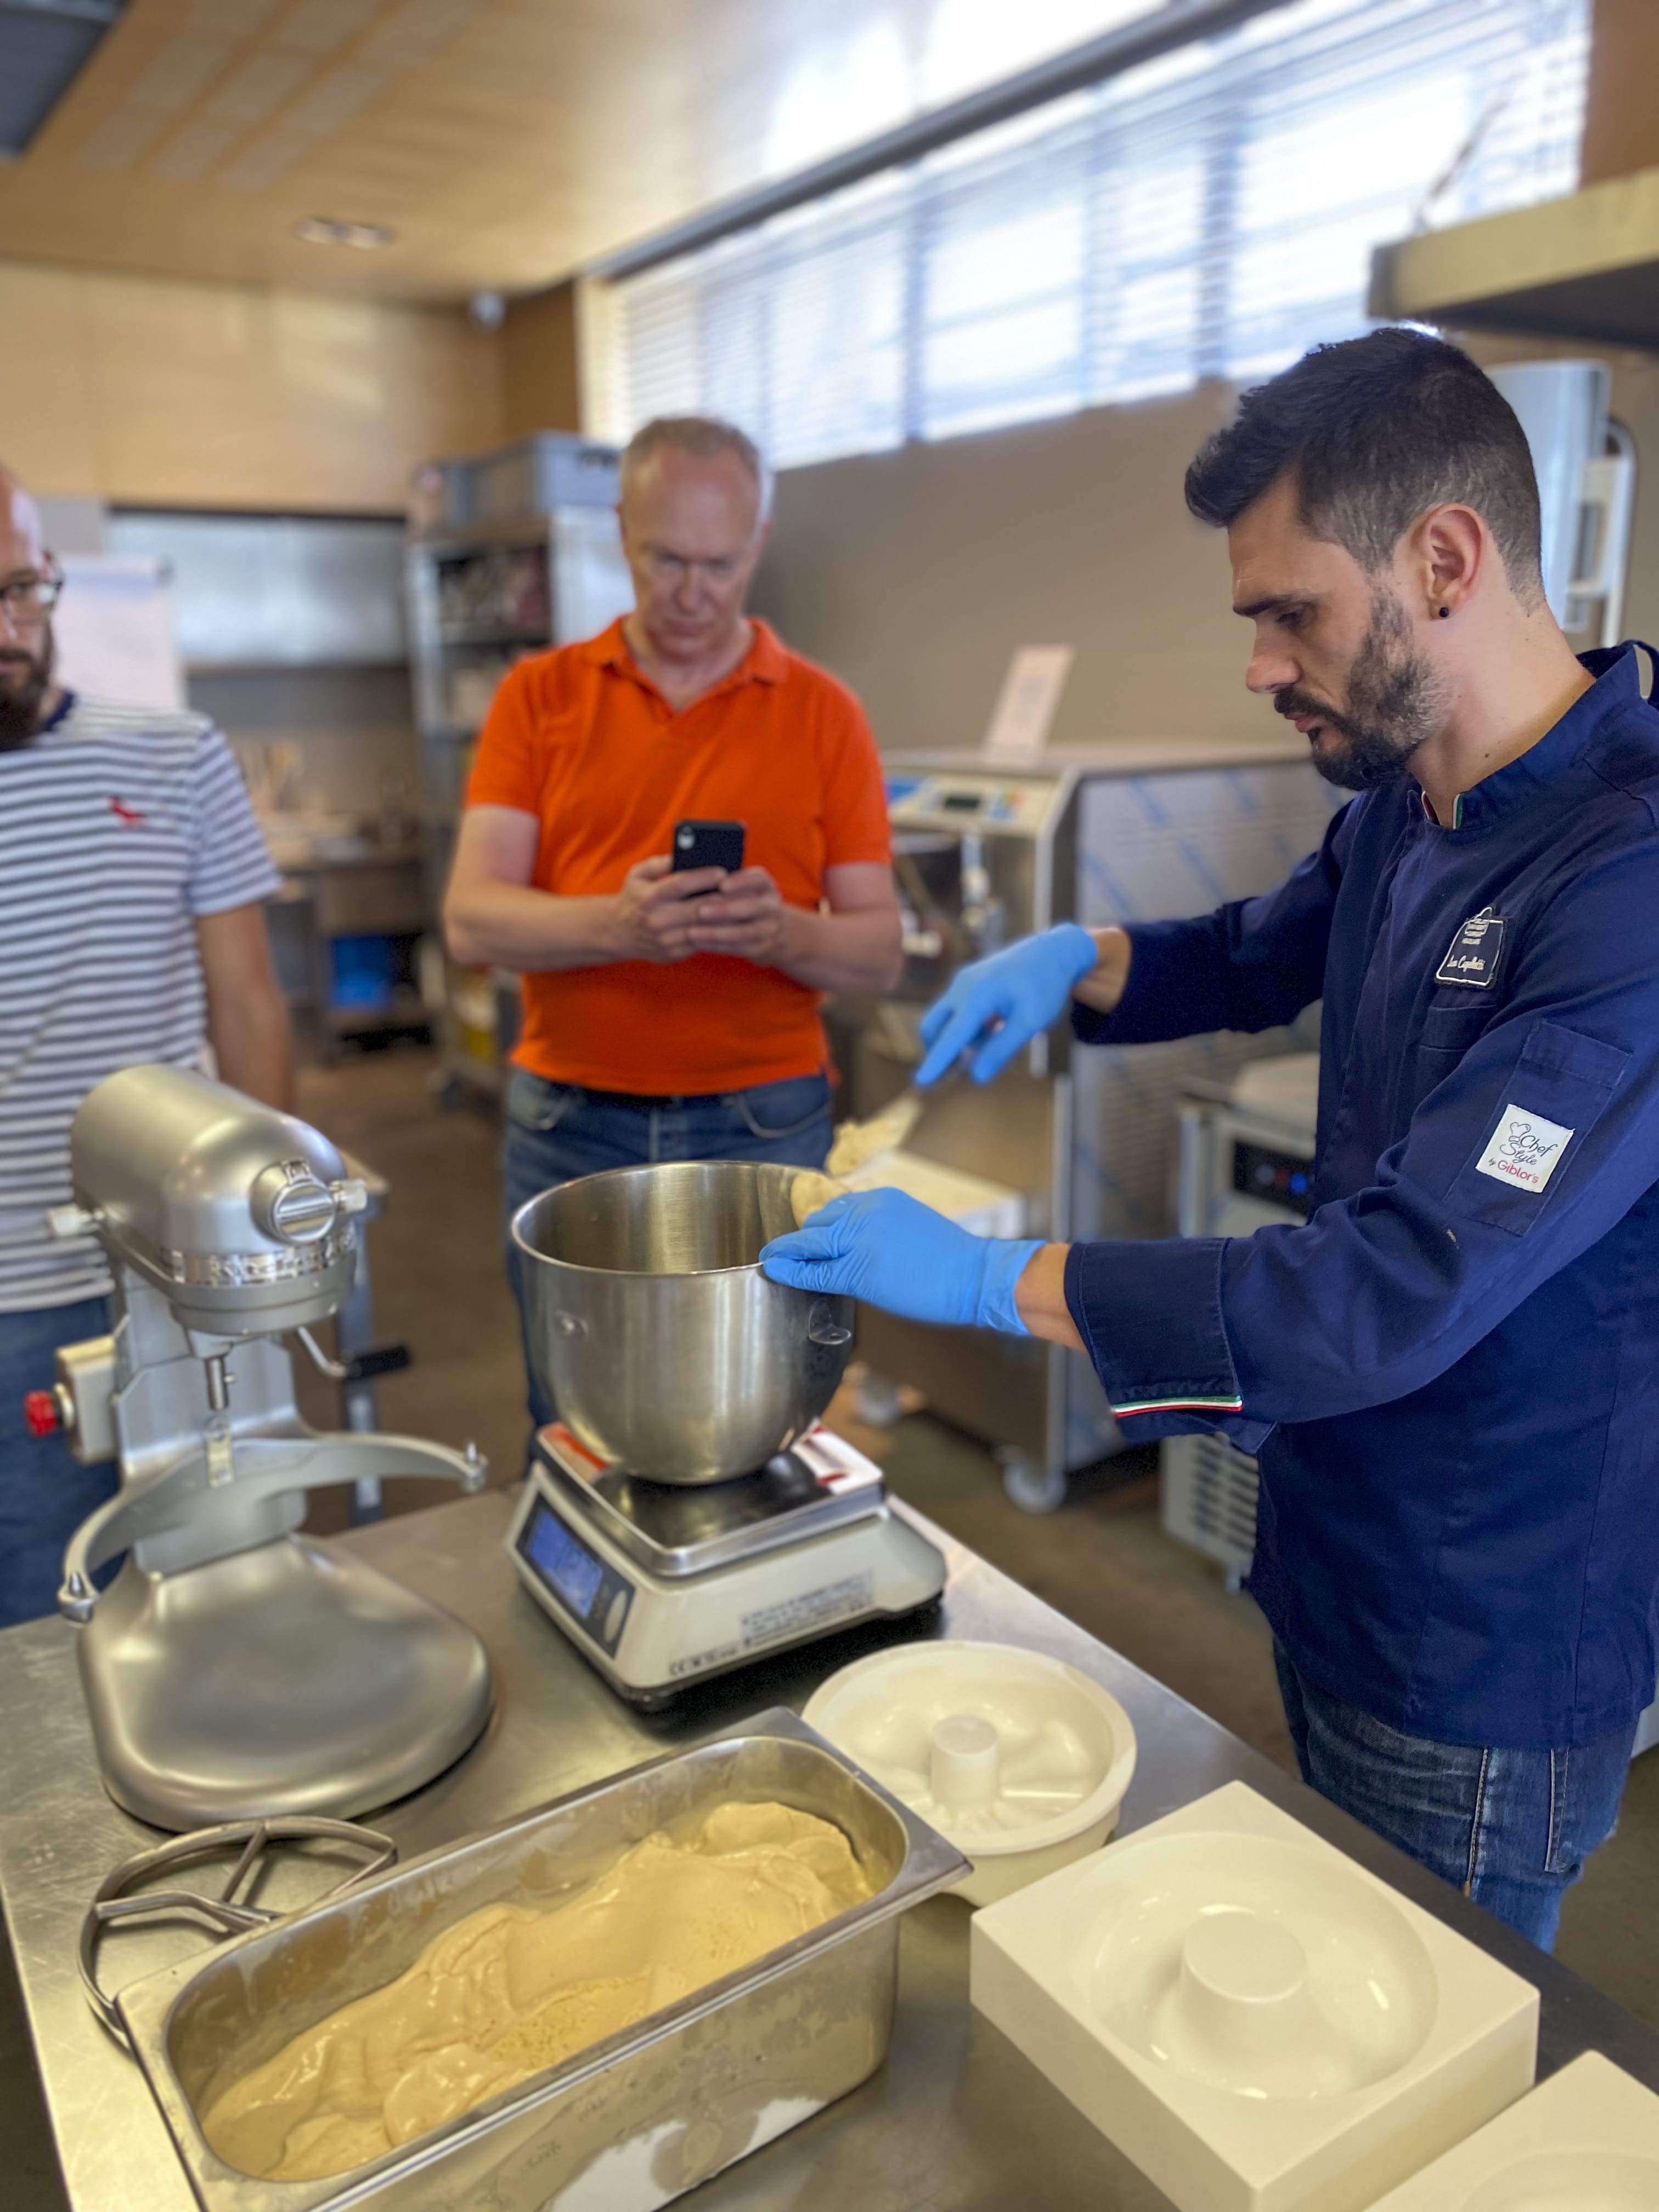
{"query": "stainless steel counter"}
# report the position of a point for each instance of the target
(957, 2118)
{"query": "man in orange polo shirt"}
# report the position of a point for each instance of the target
(668, 1016)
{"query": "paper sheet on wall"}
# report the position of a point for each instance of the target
(113, 630)
(1026, 707)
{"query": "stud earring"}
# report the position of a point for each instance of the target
(1444, 613)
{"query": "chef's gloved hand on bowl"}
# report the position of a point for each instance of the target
(999, 1004)
(887, 1247)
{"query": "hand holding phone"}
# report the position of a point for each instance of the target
(699, 899)
(651, 916)
(743, 916)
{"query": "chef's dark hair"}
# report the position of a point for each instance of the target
(1375, 431)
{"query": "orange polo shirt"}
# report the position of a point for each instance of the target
(583, 740)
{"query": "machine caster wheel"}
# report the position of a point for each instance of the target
(1032, 1486)
(879, 1404)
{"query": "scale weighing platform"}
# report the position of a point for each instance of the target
(660, 1585)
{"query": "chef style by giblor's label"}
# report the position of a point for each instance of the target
(1474, 952)
(1523, 1149)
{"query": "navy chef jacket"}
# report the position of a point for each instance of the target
(1451, 1372)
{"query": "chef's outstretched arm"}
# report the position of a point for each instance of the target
(997, 1005)
(1250, 965)
(1040, 1297)
(888, 1249)
(1535, 1145)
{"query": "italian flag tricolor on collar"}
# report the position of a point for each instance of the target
(1178, 1406)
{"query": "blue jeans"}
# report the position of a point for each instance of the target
(1511, 1829)
(555, 1132)
(45, 1492)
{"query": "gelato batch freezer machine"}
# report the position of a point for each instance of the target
(985, 854)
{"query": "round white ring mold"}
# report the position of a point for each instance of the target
(1252, 1965)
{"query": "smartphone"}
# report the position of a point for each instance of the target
(708, 845)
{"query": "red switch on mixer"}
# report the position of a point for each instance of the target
(40, 1412)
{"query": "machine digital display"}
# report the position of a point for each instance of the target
(963, 802)
(568, 1566)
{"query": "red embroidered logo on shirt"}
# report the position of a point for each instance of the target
(123, 812)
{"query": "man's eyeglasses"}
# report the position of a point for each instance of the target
(30, 599)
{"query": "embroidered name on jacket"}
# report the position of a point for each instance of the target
(1473, 956)
(1523, 1149)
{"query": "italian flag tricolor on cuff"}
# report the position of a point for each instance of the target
(1178, 1406)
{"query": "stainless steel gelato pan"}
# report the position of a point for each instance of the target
(629, 2124)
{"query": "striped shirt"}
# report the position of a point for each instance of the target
(118, 826)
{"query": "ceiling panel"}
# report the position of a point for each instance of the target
(505, 142)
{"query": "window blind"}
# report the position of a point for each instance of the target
(1209, 214)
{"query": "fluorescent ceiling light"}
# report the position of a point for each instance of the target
(44, 44)
(328, 230)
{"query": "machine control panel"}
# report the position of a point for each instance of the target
(1276, 1178)
(963, 799)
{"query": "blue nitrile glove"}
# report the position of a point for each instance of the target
(1024, 989)
(887, 1247)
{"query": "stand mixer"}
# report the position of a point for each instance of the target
(234, 1667)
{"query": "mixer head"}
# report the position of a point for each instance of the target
(238, 1215)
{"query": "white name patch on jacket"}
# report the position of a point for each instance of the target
(1523, 1149)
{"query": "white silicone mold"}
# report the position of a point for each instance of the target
(1021, 1760)
(1585, 2140)
(1257, 2022)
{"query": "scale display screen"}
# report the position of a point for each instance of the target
(963, 802)
(569, 1566)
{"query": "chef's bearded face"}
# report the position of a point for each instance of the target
(25, 679)
(1357, 489)
(1392, 702)
(1335, 649)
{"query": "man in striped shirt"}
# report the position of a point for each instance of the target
(132, 873)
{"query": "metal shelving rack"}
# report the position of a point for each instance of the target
(517, 551)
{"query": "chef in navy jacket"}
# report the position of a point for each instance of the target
(1450, 1372)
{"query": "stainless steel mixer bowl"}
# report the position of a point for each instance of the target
(652, 1329)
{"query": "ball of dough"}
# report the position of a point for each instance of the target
(809, 1191)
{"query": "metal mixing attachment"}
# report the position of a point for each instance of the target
(115, 1906)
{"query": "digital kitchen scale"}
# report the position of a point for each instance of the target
(662, 1585)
